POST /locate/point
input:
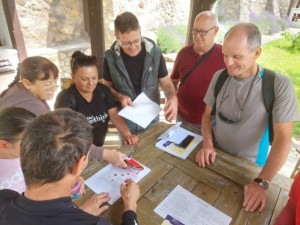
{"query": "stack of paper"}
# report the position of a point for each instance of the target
(144, 110)
(110, 178)
(188, 209)
(173, 136)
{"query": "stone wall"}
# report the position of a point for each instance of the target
(239, 10)
(47, 23)
(55, 28)
(151, 15)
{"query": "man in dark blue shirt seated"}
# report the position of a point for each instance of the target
(54, 152)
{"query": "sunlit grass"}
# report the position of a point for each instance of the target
(280, 57)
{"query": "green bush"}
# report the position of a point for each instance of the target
(171, 38)
(293, 39)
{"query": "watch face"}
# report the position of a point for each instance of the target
(265, 184)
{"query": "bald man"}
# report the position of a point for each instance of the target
(240, 126)
(192, 89)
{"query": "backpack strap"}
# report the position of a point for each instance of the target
(269, 97)
(196, 64)
(219, 84)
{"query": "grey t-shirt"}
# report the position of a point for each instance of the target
(249, 138)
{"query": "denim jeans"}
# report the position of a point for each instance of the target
(195, 128)
(136, 129)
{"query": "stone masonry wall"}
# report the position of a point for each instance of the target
(55, 28)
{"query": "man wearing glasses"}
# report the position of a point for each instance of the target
(133, 65)
(240, 125)
(192, 78)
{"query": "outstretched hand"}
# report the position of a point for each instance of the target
(205, 156)
(130, 193)
(93, 204)
(254, 197)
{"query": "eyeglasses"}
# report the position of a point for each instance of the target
(48, 85)
(127, 44)
(201, 32)
(230, 121)
(226, 119)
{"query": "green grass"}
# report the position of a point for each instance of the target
(281, 57)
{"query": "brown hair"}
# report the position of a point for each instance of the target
(79, 59)
(13, 121)
(34, 68)
(52, 144)
(126, 22)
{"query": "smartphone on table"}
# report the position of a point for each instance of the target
(133, 164)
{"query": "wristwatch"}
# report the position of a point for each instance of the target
(263, 183)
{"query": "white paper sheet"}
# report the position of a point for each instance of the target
(110, 178)
(168, 143)
(190, 210)
(144, 110)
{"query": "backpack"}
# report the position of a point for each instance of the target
(268, 95)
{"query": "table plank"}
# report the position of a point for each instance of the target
(168, 183)
(206, 193)
(146, 215)
(205, 175)
(282, 200)
(230, 200)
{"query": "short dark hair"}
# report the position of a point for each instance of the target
(253, 33)
(126, 22)
(13, 121)
(52, 144)
(79, 59)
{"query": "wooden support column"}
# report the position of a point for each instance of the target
(196, 7)
(290, 7)
(94, 26)
(14, 28)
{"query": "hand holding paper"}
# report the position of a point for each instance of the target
(143, 111)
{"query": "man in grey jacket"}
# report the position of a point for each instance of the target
(134, 65)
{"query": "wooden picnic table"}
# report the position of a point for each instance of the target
(220, 184)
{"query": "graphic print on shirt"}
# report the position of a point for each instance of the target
(94, 119)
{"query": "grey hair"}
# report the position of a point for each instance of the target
(253, 33)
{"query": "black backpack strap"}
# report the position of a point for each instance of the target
(219, 84)
(269, 97)
(196, 64)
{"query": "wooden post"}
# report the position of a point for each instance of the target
(197, 6)
(93, 20)
(14, 28)
(290, 7)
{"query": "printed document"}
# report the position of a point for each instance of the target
(190, 210)
(144, 110)
(171, 139)
(110, 178)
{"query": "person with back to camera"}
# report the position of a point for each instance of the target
(92, 99)
(54, 152)
(133, 65)
(240, 123)
(13, 121)
(194, 68)
(36, 82)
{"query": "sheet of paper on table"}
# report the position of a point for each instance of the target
(173, 136)
(110, 178)
(190, 210)
(144, 110)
